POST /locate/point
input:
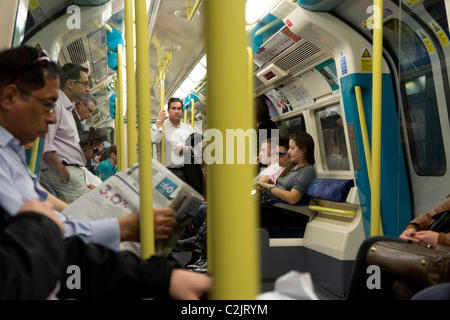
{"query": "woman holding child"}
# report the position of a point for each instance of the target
(291, 185)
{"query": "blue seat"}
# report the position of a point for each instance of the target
(335, 190)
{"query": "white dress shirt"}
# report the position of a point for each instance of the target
(173, 136)
(62, 137)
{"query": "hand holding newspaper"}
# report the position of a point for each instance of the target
(119, 196)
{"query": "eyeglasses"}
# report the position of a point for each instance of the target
(50, 106)
(280, 153)
(86, 84)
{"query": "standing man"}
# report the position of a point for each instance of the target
(84, 108)
(62, 153)
(175, 134)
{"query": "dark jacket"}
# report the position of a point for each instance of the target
(34, 257)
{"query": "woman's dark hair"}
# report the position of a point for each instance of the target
(27, 68)
(305, 142)
(262, 109)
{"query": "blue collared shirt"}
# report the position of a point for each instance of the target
(18, 184)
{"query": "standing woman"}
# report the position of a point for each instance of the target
(291, 184)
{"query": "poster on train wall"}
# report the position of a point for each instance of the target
(289, 96)
(273, 47)
(118, 196)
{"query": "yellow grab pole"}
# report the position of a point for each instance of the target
(121, 147)
(230, 204)
(144, 136)
(192, 112)
(33, 157)
(375, 225)
(117, 131)
(131, 85)
(365, 135)
(162, 77)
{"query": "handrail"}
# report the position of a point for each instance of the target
(192, 11)
(192, 112)
(145, 148)
(365, 135)
(162, 69)
(375, 218)
(162, 77)
(131, 85)
(348, 213)
(33, 157)
(225, 22)
(119, 110)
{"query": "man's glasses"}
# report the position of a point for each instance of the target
(279, 153)
(86, 84)
(50, 106)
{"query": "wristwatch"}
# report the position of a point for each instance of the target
(271, 187)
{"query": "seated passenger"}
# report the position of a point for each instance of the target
(279, 161)
(108, 167)
(29, 84)
(416, 231)
(35, 259)
(291, 185)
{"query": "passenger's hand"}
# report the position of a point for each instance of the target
(64, 174)
(129, 227)
(409, 234)
(162, 116)
(164, 222)
(187, 285)
(179, 149)
(427, 237)
(43, 207)
(263, 185)
(90, 186)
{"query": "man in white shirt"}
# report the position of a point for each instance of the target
(175, 134)
(62, 154)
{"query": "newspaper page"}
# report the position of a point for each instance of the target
(119, 196)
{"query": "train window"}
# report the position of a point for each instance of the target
(295, 125)
(436, 9)
(419, 99)
(332, 144)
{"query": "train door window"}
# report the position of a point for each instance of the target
(436, 9)
(332, 144)
(295, 125)
(419, 99)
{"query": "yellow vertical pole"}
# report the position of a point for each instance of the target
(375, 225)
(117, 131)
(33, 157)
(192, 112)
(230, 204)
(365, 135)
(131, 85)
(162, 78)
(119, 107)
(145, 148)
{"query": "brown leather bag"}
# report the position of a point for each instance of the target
(412, 262)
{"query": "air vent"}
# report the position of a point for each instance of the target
(299, 55)
(257, 83)
(76, 52)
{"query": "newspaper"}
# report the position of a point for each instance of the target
(119, 196)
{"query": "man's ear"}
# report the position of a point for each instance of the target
(69, 83)
(8, 96)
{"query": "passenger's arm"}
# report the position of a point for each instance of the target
(53, 162)
(292, 196)
(57, 203)
(31, 253)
